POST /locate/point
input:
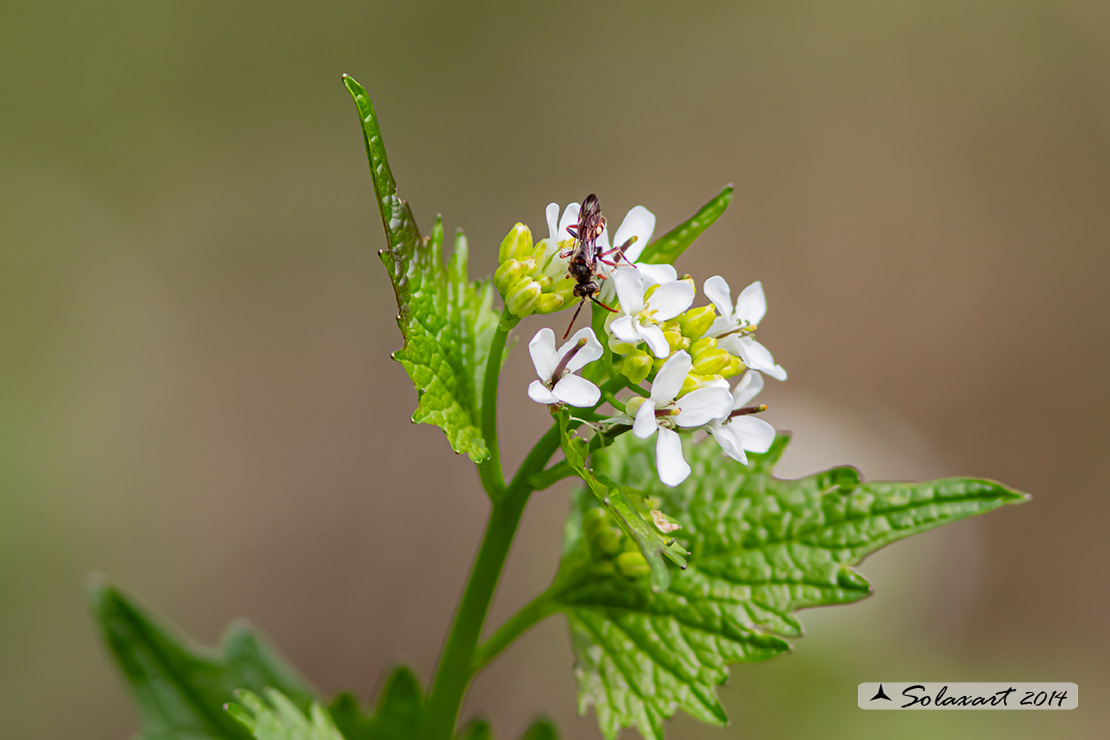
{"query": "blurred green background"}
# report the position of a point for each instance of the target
(196, 395)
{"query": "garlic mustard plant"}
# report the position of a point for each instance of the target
(683, 553)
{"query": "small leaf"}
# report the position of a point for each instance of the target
(181, 689)
(398, 715)
(541, 729)
(281, 719)
(669, 247)
(761, 548)
(475, 729)
(635, 522)
(447, 321)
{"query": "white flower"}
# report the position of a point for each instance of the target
(742, 432)
(734, 326)
(639, 223)
(558, 239)
(557, 383)
(661, 413)
(640, 318)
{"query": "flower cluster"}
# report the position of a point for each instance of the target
(685, 354)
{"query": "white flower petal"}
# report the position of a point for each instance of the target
(640, 223)
(703, 406)
(624, 329)
(630, 289)
(721, 325)
(755, 435)
(645, 424)
(747, 389)
(668, 381)
(602, 241)
(718, 292)
(751, 305)
(656, 341)
(672, 466)
(657, 274)
(577, 391)
(570, 217)
(671, 299)
(542, 350)
(590, 351)
(552, 214)
(731, 343)
(757, 357)
(539, 393)
(729, 442)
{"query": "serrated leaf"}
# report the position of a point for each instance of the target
(277, 718)
(761, 548)
(446, 320)
(669, 247)
(398, 714)
(180, 688)
(633, 521)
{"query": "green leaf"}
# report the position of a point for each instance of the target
(281, 719)
(541, 729)
(622, 504)
(475, 729)
(669, 247)
(761, 548)
(479, 729)
(398, 715)
(446, 320)
(180, 688)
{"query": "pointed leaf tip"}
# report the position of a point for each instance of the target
(763, 548)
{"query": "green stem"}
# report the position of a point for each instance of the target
(532, 613)
(489, 470)
(454, 671)
(457, 659)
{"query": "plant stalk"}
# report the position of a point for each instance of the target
(454, 671)
(534, 612)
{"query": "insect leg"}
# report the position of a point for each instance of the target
(595, 300)
(574, 318)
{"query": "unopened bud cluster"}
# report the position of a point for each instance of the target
(611, 550)
(528, 276)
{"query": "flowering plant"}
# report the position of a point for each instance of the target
(683, 553)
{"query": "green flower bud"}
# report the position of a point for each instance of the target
(711, 361)
(674, 337)
(593, 521)
(523, 297)
(632, 565)
(702, 345)
(517, 244)
(693, 381)
(735, 367)
(507, 275)
(636, 366)
(549, 303)
(609, 542)
(604, 567)
(633, 405)
(696, 322)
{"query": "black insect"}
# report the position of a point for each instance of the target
(584, 257)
